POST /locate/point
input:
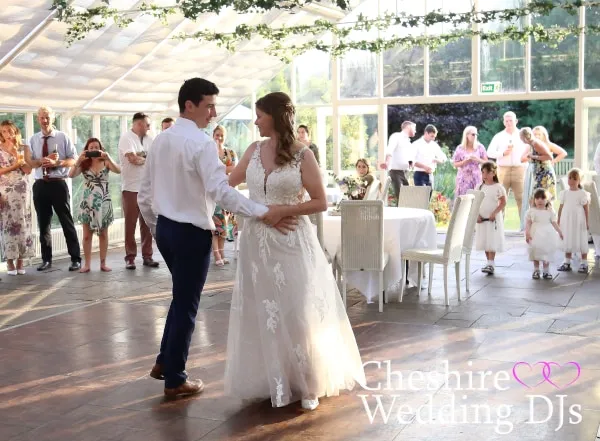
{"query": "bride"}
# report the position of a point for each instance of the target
(289, 336)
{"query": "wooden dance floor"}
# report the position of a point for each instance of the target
(76, 349)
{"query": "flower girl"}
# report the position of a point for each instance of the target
(573, 221)
(541, 231)
(490, 223)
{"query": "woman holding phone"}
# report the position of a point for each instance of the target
(95, 210)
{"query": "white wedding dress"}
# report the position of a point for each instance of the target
(289, 334)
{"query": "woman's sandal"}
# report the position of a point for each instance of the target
(565, 267)
(536, 275)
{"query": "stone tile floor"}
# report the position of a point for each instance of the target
(75, 350)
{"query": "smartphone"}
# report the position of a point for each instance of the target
(93, 154)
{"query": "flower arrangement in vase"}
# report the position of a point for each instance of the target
(353, 188)
(440, 207)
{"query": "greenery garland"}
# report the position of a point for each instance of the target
(81, 23)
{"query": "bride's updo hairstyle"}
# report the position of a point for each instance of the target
(279, 106)
(526, 134)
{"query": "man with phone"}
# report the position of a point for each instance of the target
(51, 153)
(133, 147)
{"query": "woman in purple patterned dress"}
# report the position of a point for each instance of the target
(468, 157)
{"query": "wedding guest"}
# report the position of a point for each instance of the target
(399, 155)
(468, 157)
(304, 138)
(15, 213)
(221, 217)
(540, 172)
(428, 155)
(133, 147)
(96, 210)
(166, 123)
(363, 171)
(51, 153)
(507, 149)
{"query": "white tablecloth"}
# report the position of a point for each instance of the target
(333, 194)
(403, 228)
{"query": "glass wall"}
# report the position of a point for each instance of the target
(593, 134)
(19, 120)
(110, 132)
(358, 68)
(449, 65)
(503, 62)
(313, 78)
(592, 51)
(403, 68)
(555, 68)
(359, 137)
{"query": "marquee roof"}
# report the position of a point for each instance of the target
(139, 68)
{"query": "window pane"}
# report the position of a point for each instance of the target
(555, 69)
(239, 129)
(82, 128)
(592, 51)
(19, 120)
(359, 139)
(403, 68)
(593, 134)
(450, 65)
(110, 132)
(503, 62)
(358, 68)
(318, 121)
(279, 83)
(313, 78)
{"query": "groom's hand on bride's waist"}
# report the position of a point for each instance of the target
(287, 224)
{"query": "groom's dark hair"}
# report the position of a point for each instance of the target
(195, 90)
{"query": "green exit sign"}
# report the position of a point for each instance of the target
(491, 87)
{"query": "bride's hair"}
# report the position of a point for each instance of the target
(279, 106)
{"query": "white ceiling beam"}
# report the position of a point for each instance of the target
(27, 40)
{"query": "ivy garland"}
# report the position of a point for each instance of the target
(83, 22)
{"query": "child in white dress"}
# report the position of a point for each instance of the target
(489, 231)
(541, 231)
(573, 221)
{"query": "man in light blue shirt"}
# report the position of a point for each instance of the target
(51, 154)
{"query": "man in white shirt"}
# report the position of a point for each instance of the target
(183, 181)
(133, 148)
(399, 155)
(428, 155)
(507, 149)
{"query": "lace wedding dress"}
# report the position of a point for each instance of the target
(289, 335)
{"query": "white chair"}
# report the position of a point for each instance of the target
(470, 234)
(594, 208)
(383, 196)
(362, 242)
(451, 253)
(372, 191)
(414, 197)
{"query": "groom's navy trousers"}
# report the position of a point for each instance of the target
(186, 250)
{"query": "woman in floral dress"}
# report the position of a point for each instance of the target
(222, 218)
(468, 157)
(95, 210)
(540, 172)
(15, 212)
(540, 157)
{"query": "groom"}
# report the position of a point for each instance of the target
(183, 180)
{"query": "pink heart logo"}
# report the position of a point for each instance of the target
(546, 373)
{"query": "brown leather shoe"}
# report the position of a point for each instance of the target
(187, 388)
(156, 372)
(151, 263)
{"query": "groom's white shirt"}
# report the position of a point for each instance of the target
(184, 179)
